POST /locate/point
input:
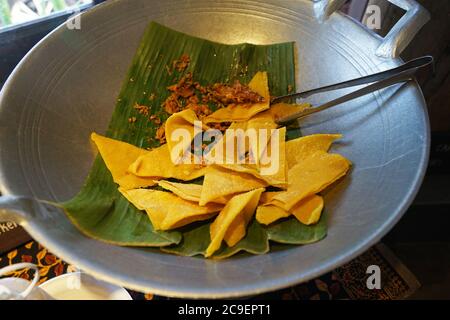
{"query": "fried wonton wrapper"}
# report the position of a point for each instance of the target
(307, 211)
(184, 120)
(118, 156)
(267, 196)
(158, 164)
(253, 171)
(260, 85)
(219, 153)
(269, 214)
(272, 163)
(269, 167)
(263, 120)
(239, 225)
(268, 118)
(245, 142)
(221, 183)
(301, 148)
(310, 176)
(238, 228)
(186, 191)
(242, 207)
(167, 211)
(280, 110)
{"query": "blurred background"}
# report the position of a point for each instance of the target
(18, 11)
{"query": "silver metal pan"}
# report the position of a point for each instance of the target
(67, 85)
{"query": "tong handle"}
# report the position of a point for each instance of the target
(413, 64)
(381, 80)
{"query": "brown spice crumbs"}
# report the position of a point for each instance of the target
(172, 105)
(201, 110)
(132, 120)
(189, 94)
(221, 126)
(235, 94)
(181, 64)
(169, 72)
(161, 134)
(144, 110)
(185, 95)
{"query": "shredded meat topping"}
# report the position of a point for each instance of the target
(190, 94)
(161, 134)
(181, 64)
(235, 94)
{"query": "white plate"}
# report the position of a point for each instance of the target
(80, 286)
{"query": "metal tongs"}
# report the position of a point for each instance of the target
(379, 81)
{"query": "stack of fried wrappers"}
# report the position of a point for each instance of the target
(232, 193)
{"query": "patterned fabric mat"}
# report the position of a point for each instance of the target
(346, 282)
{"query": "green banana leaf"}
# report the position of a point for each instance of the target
(101, 212)
(196, 240)
(255, 242)
(291, 231)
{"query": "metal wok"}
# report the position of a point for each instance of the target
(67, 85)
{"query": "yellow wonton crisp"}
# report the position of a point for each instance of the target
(260, 85)
(238, 228)
(267, 119)
(269, 214)
(167, 211)
(176, 127)
(267, 166)
(272, 162)
(301, 148)
(220, 183)
(245, 148)
(252, 170)
(243, 132)
(310, 176)
(230, 147)
(281, 110)
(158, 164)
(242, 204)
(263, 120)
(267, 196)
(186, 191)
(118, 155)
(309, 210)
